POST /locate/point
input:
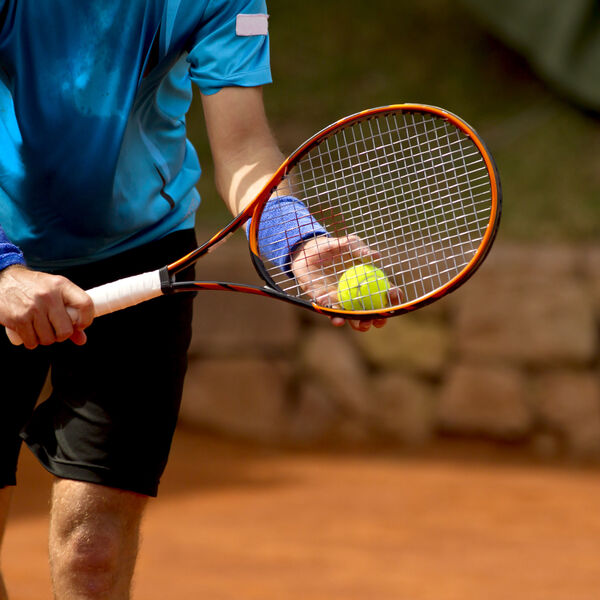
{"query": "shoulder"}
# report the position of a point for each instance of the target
(198, 19)
(226, 7)
(219, 12)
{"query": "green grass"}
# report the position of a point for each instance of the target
(334, 58)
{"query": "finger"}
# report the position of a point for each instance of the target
(359, 250)
(61, 322)
(325, 250)
(360, 325)
(27, 336)
(79, 337)
(328, 299)
(55, 324)
(338, 321)
(75, 297)
(355, 246)
(379, 323)
(43, 326)
(396, 296)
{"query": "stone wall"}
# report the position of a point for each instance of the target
(512, 356)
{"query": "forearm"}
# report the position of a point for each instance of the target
(244, 150)
(242, 176)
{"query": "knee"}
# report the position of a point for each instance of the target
(91, 548)
(86, 560)
(94, 535)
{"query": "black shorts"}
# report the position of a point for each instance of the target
(114, 404)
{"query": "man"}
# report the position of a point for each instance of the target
(97, 182)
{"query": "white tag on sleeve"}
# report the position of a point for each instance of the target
(247, 25)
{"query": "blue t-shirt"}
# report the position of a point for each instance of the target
(94, 157)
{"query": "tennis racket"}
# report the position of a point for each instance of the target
(408, 192)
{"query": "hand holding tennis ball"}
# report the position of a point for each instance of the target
(363, 287)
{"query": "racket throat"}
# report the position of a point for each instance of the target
(166, 283)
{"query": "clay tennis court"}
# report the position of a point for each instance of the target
(248, 523)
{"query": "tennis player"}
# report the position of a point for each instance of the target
(97, 181)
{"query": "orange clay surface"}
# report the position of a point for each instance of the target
(237, 522)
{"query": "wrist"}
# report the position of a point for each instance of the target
(12, 268)
(11, 260)
(9, 253)
(285, 225)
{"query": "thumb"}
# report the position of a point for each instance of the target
(80, 305)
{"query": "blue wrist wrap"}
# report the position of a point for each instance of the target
(9, 253)
(284, 224)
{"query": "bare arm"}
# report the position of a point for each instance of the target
(246, 155)
(244, 151)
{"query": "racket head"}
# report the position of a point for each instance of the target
(413, 183)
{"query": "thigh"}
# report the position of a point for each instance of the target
(115, 400)
(23, 375)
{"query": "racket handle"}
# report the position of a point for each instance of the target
(126, 292)
(114, 296)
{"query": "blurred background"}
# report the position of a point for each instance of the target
(512, 357)
(336, 58)
(452, 454)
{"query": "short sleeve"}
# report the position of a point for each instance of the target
(225, 52)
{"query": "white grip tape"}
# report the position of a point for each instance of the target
(114, 296)
(123, 293)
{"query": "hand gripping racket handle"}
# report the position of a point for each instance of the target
(114, 296)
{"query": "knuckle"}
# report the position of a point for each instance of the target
(63, 333)
(86, 312)
(53, 285)
(26, 316)
(48, 292)
(88, 303)
(44, 296)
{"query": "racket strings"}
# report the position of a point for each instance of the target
(418, 178)
(412, 187)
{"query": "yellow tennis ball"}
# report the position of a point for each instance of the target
(363, 287)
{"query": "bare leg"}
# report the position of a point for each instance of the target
(94, 535)
(5, 494)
